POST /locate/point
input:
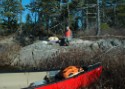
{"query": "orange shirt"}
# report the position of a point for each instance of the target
(68, 33)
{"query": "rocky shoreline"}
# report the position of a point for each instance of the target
(42, 50)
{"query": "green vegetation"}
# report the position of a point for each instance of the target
(54, 15)
(104, 26)
(9, 12)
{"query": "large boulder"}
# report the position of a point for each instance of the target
(32, 54)
(105, 44)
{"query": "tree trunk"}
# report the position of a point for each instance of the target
(98, 19)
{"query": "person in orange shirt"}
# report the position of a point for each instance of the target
(68, 33)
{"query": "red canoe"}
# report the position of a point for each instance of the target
(83, 79)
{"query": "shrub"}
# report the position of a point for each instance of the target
(9, 52)
(104, 26)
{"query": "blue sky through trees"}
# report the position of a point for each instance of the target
(25, 12)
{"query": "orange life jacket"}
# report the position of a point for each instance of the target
(70, 70)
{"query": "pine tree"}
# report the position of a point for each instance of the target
(10, 12)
